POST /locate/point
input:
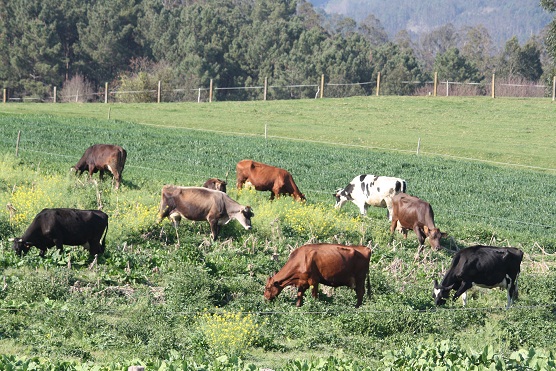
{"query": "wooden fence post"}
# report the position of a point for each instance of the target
(554, 88)
(17, 143)
(210, 91)
(435, 84)
(322, 85)
(106, 92)
(447, 88)
(265, 87)
(54, 95)
(158, 95)
(493, 92)
(378, 84)
(5, 95)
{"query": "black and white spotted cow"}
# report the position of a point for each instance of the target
(483, 266)
(373, 190)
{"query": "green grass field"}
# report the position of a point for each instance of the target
(486, 166)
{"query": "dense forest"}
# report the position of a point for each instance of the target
(422, 16)
(133, 44)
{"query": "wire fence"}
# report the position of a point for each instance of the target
(162, 92)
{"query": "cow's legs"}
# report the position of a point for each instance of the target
(420, 235)
(360, 291)
(362, 207)
(463, 287)
(512, 291)
(300, 292)
(240, 182)
(393, 225)
(315, 291)
(214, 229)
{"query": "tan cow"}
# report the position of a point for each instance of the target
(267, 178)
(330, 264)
(199, 203)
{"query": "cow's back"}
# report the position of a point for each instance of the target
(334, 262)
(411, 211)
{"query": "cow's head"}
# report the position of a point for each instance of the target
(341, 197)
(244, 217)
(221, 185)
(20, 247)
(440, 293)
(272, 289)
(434, 236)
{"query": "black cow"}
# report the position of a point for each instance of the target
(483, 266)
(58, 227)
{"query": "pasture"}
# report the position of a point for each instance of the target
(149, 299)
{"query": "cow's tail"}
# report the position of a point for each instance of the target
(103, 241)
(368, 284)
(122, 156)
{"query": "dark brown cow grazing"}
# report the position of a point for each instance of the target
(59, 227)
(102, 157)
(330, 264)
(198, 203)
(413, 213)
(267, 178)
(215, 183)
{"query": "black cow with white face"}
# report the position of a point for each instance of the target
(483, 266)
(58, 227)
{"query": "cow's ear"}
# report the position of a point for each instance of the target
(444, 235)
(276, 284)
(426, 230)
(435, 282)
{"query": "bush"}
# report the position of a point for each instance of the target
(77, 89)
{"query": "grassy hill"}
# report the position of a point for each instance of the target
(486, 166)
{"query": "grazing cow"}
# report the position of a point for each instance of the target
(198, 203)
(373, 190)
(58, 227)
(330, 264)
(413, 213)
(267, 178)
(217, 184)
(102, 157)
(483, 266)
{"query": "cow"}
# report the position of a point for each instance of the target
(370, 190)
(217, 184)
(410, 212)
(58, 227)
(102, 157)
(483, 266)
(330, 264)
(199, 203)
(267, 178)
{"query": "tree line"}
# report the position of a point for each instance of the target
(132, 44)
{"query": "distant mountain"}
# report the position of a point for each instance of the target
(502, 18)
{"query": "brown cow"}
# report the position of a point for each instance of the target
(267, 178)
(101, 157)
(413, 213)
(217, 184)
(330, 264)
(198, 203)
